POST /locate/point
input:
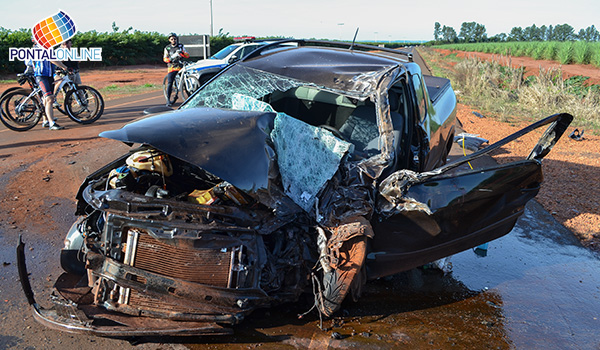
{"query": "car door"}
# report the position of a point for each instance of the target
(423, 217)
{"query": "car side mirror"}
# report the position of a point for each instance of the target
(233, 59)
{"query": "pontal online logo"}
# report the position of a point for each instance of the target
(49, 33)
(54, 30)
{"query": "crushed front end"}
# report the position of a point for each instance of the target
(172, 250)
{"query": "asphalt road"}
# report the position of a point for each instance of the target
(537, 288)
(116, 113)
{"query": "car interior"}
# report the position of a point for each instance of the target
(347, 118)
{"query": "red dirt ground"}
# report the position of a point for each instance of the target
(533, 66)
(116, 76)
(571, 191)
(134, 75)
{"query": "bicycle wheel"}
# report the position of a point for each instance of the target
(84, 105)
(190, 85)
(60, 98)
(20, 112)
(174, 90)
(14, 88)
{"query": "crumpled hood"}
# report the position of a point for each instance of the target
(233, 145)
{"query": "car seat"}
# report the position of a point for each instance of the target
(361, 127)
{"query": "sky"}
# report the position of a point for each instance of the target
(380, 20)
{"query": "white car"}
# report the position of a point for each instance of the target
(207, 68)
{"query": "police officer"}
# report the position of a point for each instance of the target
(172, 55)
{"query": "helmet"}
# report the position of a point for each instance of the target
(172, 34)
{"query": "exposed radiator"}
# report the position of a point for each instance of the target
(206, 266)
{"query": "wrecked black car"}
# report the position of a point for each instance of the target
(308, 169)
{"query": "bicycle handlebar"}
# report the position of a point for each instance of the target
(61, 71)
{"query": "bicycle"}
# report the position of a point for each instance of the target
(28, 78)
(21, 109)
(184, 82)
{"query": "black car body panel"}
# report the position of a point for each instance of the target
(292, 166)
(198, 136)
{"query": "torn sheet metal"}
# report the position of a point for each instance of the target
(352, 191)
(338, 70)
(384, 121)
(396, 189)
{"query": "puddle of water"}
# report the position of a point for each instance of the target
(536, 288)
(548, 284)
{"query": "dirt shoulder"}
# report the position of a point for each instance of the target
(114, 82)
(570, 191)
(119, 76)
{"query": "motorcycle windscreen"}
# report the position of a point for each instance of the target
(465, 209)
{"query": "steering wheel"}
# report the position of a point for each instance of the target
(334, 131)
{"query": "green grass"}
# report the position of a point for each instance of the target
(110, 88)
(566, 52)
(504, 93)
(115, 91)
(582, 52)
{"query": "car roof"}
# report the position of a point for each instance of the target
(325, 66)
(255, 42)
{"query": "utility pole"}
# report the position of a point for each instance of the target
(211, 19)
(340, 27)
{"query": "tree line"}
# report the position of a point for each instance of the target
(473, 32)
(119, 47)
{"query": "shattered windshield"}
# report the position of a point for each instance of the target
(242, 80)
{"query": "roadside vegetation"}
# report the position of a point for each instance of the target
(114, 91)
(507, 94)
(565, 52)
(119, 47)
(557, 43)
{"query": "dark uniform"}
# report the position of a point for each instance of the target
(172, 55)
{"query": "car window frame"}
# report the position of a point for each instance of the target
(421, 100)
